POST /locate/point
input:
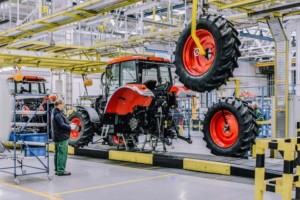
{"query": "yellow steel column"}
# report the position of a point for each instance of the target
(153, 19)
(297, 183)
(98, 57)
(194, 28)
(259, 184)
(288, 177)
(237, 86)
(287, 89)
(194, 107)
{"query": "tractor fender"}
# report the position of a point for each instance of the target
(127, 97)
(94, 117)
(178, 89)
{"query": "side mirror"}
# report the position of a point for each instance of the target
(175, 79)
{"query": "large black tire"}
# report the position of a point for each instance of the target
(85, 131)
(239, 117)
(220, 66)
(113, 141)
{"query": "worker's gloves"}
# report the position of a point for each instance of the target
(73, 126)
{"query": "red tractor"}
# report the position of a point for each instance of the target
(140, 95)
(33, 88)
(28, 85)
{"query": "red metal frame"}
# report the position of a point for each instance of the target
(30, 78)
(144, 58)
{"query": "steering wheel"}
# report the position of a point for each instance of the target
(165, 87)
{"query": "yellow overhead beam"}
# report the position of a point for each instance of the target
(109, 54)
(175, 32)
(71, 65)
(74, 50)
(46, 47)
(292, 13)
(222, 5)
(85, 10)
(49, 24)
(270, 64)
(265, 64)
(243, 4)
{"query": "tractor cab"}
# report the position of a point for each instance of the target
(29, 85)
(153, 72)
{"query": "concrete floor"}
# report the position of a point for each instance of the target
(113, 180)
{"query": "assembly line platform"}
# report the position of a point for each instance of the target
(195, 157)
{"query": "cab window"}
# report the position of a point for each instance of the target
(128, 72)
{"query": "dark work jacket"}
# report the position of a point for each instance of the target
(60, 126)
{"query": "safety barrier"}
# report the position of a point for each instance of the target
(195, 124)
(283, 185)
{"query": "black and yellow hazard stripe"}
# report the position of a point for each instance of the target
(172, 161)
(297, 178)
(282, 185)
(166, 160)
(195, 124)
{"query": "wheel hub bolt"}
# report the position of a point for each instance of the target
(226, 128)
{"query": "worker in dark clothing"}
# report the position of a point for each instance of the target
(257, 112)
(61, 129)
(259, 117)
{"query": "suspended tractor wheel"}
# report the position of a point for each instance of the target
(230, 128)
(84, 131)
(205, 73)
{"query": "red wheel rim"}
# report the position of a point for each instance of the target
(116, 140)
(75, 134)
(222, 137)
(194, 63)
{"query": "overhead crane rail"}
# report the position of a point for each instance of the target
(69, 65)
(74, 14)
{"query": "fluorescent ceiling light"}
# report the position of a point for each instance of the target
(112, 22)
(157, 17)
(99, 20)
(178, 12)
(6, 69)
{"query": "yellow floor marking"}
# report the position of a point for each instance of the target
(123, 164)
(48, 196)
(114, 184)
(190, 147)
(147, 168)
